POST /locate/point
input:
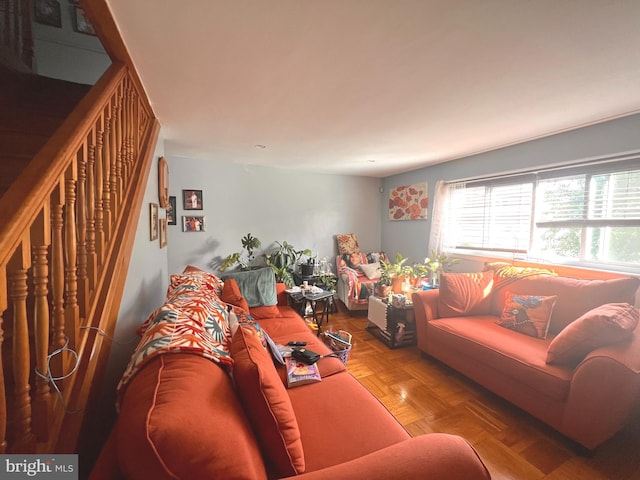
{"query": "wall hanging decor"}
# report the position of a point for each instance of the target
(47, 12)
(153, 221)
(192, 199)
(192, 224)
(409, 202)
(163, 182)
(171, 212)
(163, 232)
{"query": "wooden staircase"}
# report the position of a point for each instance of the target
(31, 110)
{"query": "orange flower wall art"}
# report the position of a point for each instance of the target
(409, 202)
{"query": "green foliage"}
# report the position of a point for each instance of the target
(282, 260)
(328, 280)
(393, 270)
(249, 244)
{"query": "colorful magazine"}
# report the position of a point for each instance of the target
(299, 373)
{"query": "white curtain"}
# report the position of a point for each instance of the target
(437, 217)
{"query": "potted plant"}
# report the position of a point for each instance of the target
(243, 258)
(328, 281)
(307, 266)
(282, 259)
(438, 263)
(395, 273)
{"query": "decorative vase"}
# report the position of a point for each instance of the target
(396, 284)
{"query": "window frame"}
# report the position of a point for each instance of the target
(605, 166)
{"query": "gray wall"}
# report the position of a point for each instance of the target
(411, 237)
(306, 210)
(66, 54)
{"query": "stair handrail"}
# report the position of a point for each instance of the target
(65, 223)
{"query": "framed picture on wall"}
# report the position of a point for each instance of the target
(193, 224)
(47, 12)
(163, 232)
(153, 221)
(82, 22)
(192, 199)
(171, 212)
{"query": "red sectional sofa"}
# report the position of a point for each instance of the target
(582, 379)
(185, 416)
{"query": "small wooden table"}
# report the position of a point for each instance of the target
(299, 301)
(395, 326)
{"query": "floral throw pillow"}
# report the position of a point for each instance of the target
(347, 244)
(528, 314)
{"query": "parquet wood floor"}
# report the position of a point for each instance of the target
(426, 396)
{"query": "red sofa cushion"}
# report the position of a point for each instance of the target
(601, 326)
(168, 435)
(528, 314)
(347, 403)
(521, 357)
(267, 404)
(575, 296)
(465, 294)
(231, 295)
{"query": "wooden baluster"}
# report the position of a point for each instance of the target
(6, 38)
(57, 278)
(41, 239)
(130, 123)
(15, 42)
(126, 93)
(113, 166)
(71, 311)
(98, 170)
(106, 183)
(92, 265)
(18, 291)
(119, 161)
(81, 212)
(4, 303)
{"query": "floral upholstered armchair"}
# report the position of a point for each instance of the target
(358, 272)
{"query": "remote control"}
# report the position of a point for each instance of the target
(297, 344)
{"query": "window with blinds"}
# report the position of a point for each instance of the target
(584, 214)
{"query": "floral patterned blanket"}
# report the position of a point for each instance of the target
(360, 286)
(193, 320)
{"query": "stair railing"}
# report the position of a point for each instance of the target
(66, 231)
(16, 36)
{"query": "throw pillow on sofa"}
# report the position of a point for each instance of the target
(465, 294)
(528, 314)
(347, 243)
(371, 270)
(604, 325)
(267, 403)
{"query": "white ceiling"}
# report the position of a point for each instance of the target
(377, 87)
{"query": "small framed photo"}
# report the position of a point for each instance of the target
(47, 12)
(163, 232)
(192, 199)
(193, 224)
(153, 221)
(171, 212)
(82, 22)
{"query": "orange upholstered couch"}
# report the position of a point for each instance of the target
(582, 379)
(184, 416)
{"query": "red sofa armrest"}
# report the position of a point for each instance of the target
(605, 388)
(425, 308)
(282, 295)
(435, 455)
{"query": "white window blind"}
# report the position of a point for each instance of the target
(580, 214)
